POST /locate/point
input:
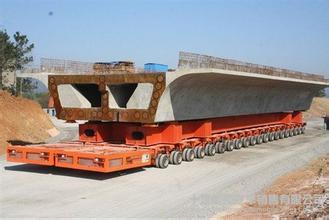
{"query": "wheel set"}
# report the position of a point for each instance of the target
(210, 149)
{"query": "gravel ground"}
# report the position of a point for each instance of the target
(68, 131)
(201, 188)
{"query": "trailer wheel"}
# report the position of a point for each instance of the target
(162, 161)
(210, 149)
(184, 154)
(242, 140)
(286, 133)
(196, 149)
(291, 132)
(281, 134)
(253, 141)
(206, 148)
(199, 152)
(303, 129)
(265, 137)
(298, 131)
(171, 157)
(226, 143)
(295, 131)
(177, 159)
(271, 137)
(234, 142)
(238, 144)
(246, 142)
(230, 145)
(277, 135)
(259, 139)
(190, 155)
(220, 147)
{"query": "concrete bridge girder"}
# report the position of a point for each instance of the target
(207, 93)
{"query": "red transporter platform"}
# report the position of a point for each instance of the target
(113, 146)
(207, 105)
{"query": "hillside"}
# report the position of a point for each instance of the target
(22, 120)
(319, 108)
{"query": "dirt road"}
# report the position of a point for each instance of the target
(201, 188)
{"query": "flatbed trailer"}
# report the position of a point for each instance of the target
(140, 119)
(109, 147)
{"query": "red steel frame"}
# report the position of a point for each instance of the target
(113, 146)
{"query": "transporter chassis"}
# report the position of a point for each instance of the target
(114, 146)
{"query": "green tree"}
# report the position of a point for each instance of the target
(13, 54)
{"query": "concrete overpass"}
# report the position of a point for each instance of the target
(50, 67)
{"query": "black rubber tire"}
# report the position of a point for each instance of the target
(190, 155)
(202, 154)
(157, 161)
(238, 144)
(184, 153)
(298, 131)
(259, 139)
(211, 150)
(220, 147)
(171, 157)
(291, 132)
(277, 135)
(253, 141)
(281, 134)
(303, 129)
(242, 140)
(206, 148)
(196, 149)
(234, 141)
(199, 152)
(286, 133)
(177, 159)
(265, 137)
(246, 142)
(226, 144)
(295, 131)
(271, 136)
(230, 145)
(162, 161)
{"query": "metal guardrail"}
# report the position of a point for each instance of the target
(65, 66)
(62, 67)
(196, 61)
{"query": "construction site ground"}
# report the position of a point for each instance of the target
(302, 194)
(202, 188)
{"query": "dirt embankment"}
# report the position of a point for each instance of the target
(319, 108)
(301, 194)
(22, 120)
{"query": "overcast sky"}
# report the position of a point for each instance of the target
(290, 34)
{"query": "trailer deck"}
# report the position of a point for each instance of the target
(101, 157)
(108, 147)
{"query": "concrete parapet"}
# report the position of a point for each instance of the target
(196, 61)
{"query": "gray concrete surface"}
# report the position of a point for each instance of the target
(68, 131)
(70, 97)
(207, 87)
(40, 76)
(207, 93)
(200, 188)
